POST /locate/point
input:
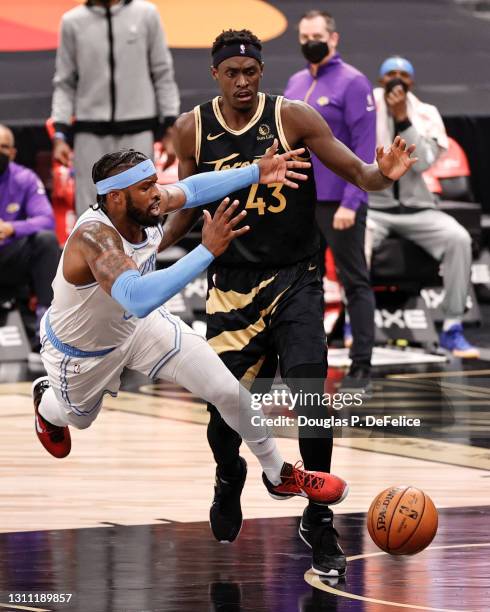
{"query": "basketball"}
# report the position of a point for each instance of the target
(402, 520)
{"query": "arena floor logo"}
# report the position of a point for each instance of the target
(30, 25)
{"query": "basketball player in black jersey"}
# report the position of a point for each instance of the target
(264, 293)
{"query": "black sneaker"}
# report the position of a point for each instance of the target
(358, 380)
(317, 531)
(225, 515)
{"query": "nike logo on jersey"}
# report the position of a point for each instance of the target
(370, 108)
(214, 136)
(311, 268)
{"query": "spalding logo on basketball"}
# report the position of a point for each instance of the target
(402, 520)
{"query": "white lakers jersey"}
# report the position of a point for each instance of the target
(86, 317)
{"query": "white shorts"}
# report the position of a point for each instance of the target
(157, 346)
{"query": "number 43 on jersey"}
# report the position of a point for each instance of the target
(259, 203)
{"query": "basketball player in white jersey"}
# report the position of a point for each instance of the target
(108, 313)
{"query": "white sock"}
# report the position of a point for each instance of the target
(269, 456)
(51, 410)
(448, 323)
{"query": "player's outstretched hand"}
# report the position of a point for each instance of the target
(395, 161)
(219, 231)
(276, 168)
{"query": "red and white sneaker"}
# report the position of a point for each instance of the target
(56, 440)
(320, 487)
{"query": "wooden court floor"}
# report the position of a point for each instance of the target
(122, 522)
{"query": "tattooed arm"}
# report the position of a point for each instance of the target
(104, 253)
(95, 253)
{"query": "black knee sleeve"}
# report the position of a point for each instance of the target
(316, 453)
(224, 442)
(315, 442)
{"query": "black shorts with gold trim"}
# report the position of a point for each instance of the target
(254, 313)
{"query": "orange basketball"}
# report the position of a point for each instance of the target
(402, 520)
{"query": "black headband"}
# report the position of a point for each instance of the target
(236, 50)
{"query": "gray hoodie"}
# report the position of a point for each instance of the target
(114, 72)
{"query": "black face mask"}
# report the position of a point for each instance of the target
(315, 51)
(392, 83)
(4, 162)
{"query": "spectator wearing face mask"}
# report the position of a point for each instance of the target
(29, 250)
(343, 97)
(408, 209)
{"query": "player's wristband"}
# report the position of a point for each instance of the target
(208, 187)
(140, 295)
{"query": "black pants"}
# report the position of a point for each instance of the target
(254, 318)
(30, 261)
(348, 250)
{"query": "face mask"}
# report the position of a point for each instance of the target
(315, 51)
(392, 83)
(4, 162)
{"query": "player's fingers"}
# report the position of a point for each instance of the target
(413, 160)
(207, 217)
(241, 231)
(237, 218)
(230, 211)
(380, 152)
(402, 145)
(221, 208)
(289, 183)
(296, 175)
(298, 164)
(272, 150)
(293, 153)
(396, 142)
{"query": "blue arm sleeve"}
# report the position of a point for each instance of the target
(140, 295)
(208, 187)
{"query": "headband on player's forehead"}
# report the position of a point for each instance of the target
(129, 177)
(236, 50)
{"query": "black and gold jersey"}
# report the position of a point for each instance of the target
(282, 220)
